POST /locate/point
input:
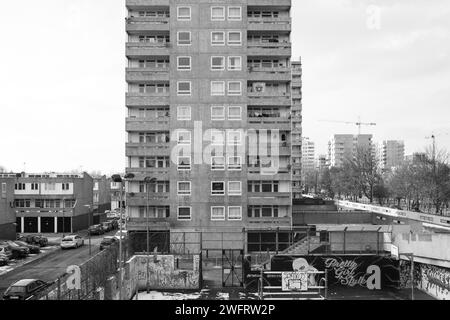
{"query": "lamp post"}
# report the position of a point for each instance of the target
(148, 181)
(118, 178)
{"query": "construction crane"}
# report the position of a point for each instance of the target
(359, 124)
(433, 137)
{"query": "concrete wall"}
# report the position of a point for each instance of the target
(331, 217)
(162, 275)
(427, 248)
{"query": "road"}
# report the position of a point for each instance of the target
(50, 267)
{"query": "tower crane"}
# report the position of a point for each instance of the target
(359, 124)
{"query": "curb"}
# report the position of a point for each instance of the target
(40, 257)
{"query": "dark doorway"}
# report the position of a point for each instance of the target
(47, 225)
(67, 227)
(18, 225)
(31, 225)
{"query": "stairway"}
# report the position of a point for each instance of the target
(303, 247)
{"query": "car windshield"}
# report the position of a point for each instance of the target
(21, 243)
(16, 289)
(67, 239)
(12, 244)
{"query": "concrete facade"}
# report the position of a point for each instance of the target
(392, 154)
(7, 214)
(53, 203)
(345, 146)
(199, 70)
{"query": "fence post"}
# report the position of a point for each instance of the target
(58, 291)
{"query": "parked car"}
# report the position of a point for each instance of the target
(107, 226)
(33, 248)
(96, 230)
(72, 241)
(23, 289)
(6, 251)
(106, 242)
(34, 239)
(17, 251)
(124, 235)
(3, 260)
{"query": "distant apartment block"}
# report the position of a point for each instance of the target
(345, 146)
(224, 65)
(102, 198)
(392, 154)
(117, 196)
(308, 155)
(7, 214)
(53, 203)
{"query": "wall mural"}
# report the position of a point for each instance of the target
(367, 272)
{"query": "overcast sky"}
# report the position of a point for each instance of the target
(62, 103)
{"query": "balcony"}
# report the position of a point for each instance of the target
(269, 98)
(147, 149)
(269, 198)
(273, 24)
(267, 123)
(136, 50)
(141, 173)
(145, 4)
(269, 74)
(140, 199)
(279, 4)
(142, 75)
(273, 49)
(269, 222)
(256, 173)
(140, 224)
(147, 125)
(135, 99)
(138, 25)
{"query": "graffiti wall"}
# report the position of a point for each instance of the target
(161, 272)
(349, 272)
(433, 280)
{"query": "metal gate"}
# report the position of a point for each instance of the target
(232, 268)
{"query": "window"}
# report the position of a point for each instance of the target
(184, 113)
(217, 113)
(235, 213)
(218, 13)
(65, 186)
(184, 88)
(184, 38)
(234, 137)
(184, 188)
(234, 113)
(184, 163)
(235, 13)
(3, 188)
(184, 63)
(217, 188)
(218, 38)
(184, 13)
(217, 138)
(234, 38)
(235, 188)
(263, 212)
(19, 186)
(234, 63)
(184, 137)
(234, 163)
(184, 213)
(218, 213)
(34, 186)
(217, 63)
(217, 88)
(218, 163)
(234, 88)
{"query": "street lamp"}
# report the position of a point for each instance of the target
(148, 181)
(118, 179)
